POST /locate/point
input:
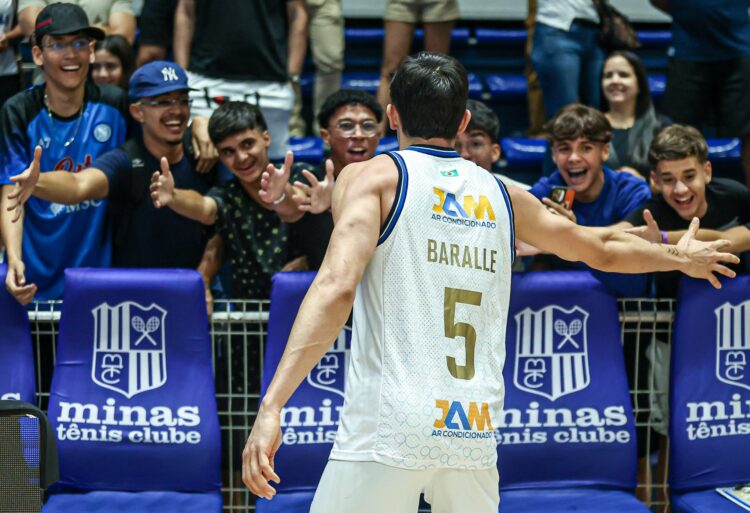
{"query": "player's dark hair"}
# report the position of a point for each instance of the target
(576, 120)
(677, 142)
(234, 117)
(483, 119)
(429, 91)
(643, 100)
(346, 98)
(118, 46)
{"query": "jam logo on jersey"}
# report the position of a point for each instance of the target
(457, 421)
(129, 342)
(733, 344)
(330, 372)
(465, 210)
(551, 351)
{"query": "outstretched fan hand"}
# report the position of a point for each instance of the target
(705, 258)
(24, 185)
(273, 180)
(162, 185)
(316, 197)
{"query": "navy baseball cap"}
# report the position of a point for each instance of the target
(157, 78)
(61, 19)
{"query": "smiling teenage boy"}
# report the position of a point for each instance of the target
(580, 137)
(683, 175)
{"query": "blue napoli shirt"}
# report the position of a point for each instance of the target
(60, 236)
(621, 194)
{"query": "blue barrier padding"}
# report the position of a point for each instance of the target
(503, 86)
(17, 381)
(142, 502)
(387, 144)
(286, 502)
(706, 501)
(567, 419)
(710, 386)
(361, 80)
(564, 500)
(458, 35)
(307, 149)
(500, 36)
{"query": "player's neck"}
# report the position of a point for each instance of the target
(159, 149)
(404, 141)
(64, 103)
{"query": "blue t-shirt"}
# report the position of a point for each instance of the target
(710, 30)
(621, 194)
(60, 236)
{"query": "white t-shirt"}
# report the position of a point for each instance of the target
(8, 65)
(425, 380)
(561, 13)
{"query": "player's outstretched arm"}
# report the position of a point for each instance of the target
(357, 213)
(57, 186)
(188, 203)
(613, 250)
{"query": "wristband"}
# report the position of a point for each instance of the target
(280, 200)
(664, 238)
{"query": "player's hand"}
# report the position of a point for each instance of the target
(704, 258)
(162, 185)
(524, 249)
(204, 150)
(650, 231)
(15, 282)
(24, 185)
(4, 42)
(317, 196)
(558, 209)
(273, 180)
(260, 449)
(631, 171)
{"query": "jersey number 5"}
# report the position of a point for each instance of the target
(460, 329)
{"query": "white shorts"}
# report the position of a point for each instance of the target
(370, 487)
(275, 100)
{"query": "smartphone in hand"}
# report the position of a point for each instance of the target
(563, 196)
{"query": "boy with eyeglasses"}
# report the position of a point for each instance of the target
(74, 121)
(143, 236)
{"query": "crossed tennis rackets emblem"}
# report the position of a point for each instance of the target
(145, 328)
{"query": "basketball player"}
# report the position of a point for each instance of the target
(422, 245)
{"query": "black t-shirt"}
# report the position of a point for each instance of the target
(728, 206)
(240, 39)
(144, 236)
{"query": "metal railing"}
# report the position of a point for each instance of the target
(238, 331)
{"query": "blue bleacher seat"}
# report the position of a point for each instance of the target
(567, 434)
(300, 464)
(387, 144)
(655, 37)
(307, 149)
(506, 86)
(476, 88)
(488, 36)
(657, 84)
(361, 80)
(17, 380)
(133, 400)
(368, 35)
(709, 394)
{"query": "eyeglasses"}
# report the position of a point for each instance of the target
(165, 104)
(349, 128)
(78, 45)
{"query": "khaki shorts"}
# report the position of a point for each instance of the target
(426, 11)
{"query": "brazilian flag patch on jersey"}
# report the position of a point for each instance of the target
(452, 172)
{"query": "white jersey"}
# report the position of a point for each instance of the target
(425, 381)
